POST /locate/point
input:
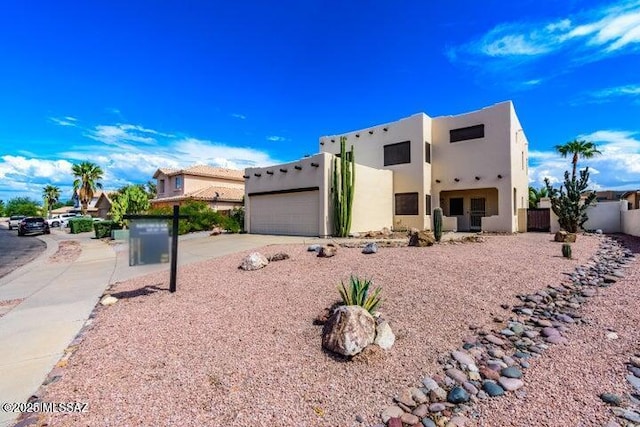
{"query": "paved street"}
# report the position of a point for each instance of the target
(17, 251)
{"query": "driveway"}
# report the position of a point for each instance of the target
(17, 251)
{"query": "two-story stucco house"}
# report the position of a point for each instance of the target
(222, 189)
(473, 166)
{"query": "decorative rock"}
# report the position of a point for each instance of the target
(409, 419)
(215, 231)
(459, 421)
(612, 336)
(405, 398)
(463, 358)
(370, 248)
(349, 330)
(254, 261)
(511, 372)
(544, 323)
(421, 411)
(635, 361)
(327, 251)
(510, 384)
(456, 375)
(627, 414)
(458, 395)
(563, 236)
(385, 337)
(635, 371)
(437, 407)
(430, 384)
(489, 374)
(634, 381)
(395, 422)
(493, 339)
(314, 248)
(108, 300)
(550, 332)
(557, 339)
(496, 352)
(391, 412)
(421, 239)
(279, 256)
(438, 395)
(611, 399)
(428, 422)
(418, 395)
(492, 389)
(470, 388)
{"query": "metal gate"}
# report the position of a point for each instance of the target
(476, 214)
(539, 219)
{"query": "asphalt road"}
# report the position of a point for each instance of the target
(17, 251)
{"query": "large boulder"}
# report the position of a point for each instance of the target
(421, 239)
(565, 236)
(327, 251)
(254, 261)
(349, 330)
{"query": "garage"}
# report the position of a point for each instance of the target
(291, 212)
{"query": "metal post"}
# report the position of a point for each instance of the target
(174, 249)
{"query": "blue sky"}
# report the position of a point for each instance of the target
(138, 85)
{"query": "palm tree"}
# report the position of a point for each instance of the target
(535, 196)
(577, 148)
(87, 175)
(51, 195)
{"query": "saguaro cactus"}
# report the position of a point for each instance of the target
(566, 250)
(437, 223)
(344, 178)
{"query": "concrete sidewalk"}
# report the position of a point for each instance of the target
(57, 299)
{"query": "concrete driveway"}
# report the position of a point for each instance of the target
(17, 251)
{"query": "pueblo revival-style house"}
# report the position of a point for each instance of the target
(222, 189)
(473, 166)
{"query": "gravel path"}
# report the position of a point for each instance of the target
(236, 348)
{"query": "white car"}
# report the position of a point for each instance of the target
(61, 220)
(14, 221)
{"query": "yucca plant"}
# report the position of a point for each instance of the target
(357, 293)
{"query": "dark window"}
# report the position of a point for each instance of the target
(407, 204)
(396, 154)
(161, 186)
(427, 152)
(456, 206)
(427, 205)
(462, 134)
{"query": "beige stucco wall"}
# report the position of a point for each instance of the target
(605, 216)
(370, 210)
(308, 176)
(496, 159)
(630, 222)
(193, 183)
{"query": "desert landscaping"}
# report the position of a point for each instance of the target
(238, 348)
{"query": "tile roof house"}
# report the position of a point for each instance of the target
(222, 189)
(473, 166)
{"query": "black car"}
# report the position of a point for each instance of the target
(33, 225)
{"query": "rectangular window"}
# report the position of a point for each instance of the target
(396, 154)
(178, 182)
(463, 134)
(456, 206)
(427, 205)
(407, 204)
(427, 152)
(160, 186)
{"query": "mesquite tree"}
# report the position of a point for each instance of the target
(567, 202)
(344, 178)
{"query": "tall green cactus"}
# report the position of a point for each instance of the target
(344, 179)
(437, 223)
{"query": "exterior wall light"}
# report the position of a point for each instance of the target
(269, 172)
(357, 135)
(283, 170)
(321, 142)
(370, 132)
(499, 176)
(257, 174)
(246, 176)
(385, 129)
(456, 179)
(438, 181)
(477, 178)
(298, 167)
(333, 140)
(315, 165)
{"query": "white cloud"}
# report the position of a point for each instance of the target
(275, 138)
(239, 116)
(591, 35)
(618, 91)
(65, 121)
(617, 168)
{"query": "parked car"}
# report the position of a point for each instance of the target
(33, 225)
(61, 220)
(14, 221)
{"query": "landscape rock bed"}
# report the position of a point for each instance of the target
(491, 363)
(235, 349)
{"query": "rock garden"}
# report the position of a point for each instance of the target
(502, 331)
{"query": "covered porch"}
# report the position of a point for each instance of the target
(472, 208)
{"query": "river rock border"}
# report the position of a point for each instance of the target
(492, 363)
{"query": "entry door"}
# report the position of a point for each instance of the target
(476, 214)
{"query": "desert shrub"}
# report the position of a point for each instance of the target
(80, 225)
(231, 224)
(201, 217)
(357, 293)
(238, 215)
(103, 228)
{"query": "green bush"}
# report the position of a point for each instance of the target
(201, 217)
(358, 294)
(231, 224)
(80, 225)
(103, 228)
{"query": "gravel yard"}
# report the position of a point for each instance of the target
(237, 348)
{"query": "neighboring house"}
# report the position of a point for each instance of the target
(472, 165)
(222, 189)
(609, 195)
(98, 207)
(102, 206)
(632, 198)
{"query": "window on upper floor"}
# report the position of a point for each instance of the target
(178, 183)
(397, 154)
(160, 186)
(406, 203)
(463, 134)
(427, 152)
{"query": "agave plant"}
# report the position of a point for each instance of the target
(357, 293)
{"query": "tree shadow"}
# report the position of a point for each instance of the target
(144, 291)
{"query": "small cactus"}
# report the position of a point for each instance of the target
(566, 250)
(437, 223)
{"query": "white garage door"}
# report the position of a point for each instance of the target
(293, 214)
